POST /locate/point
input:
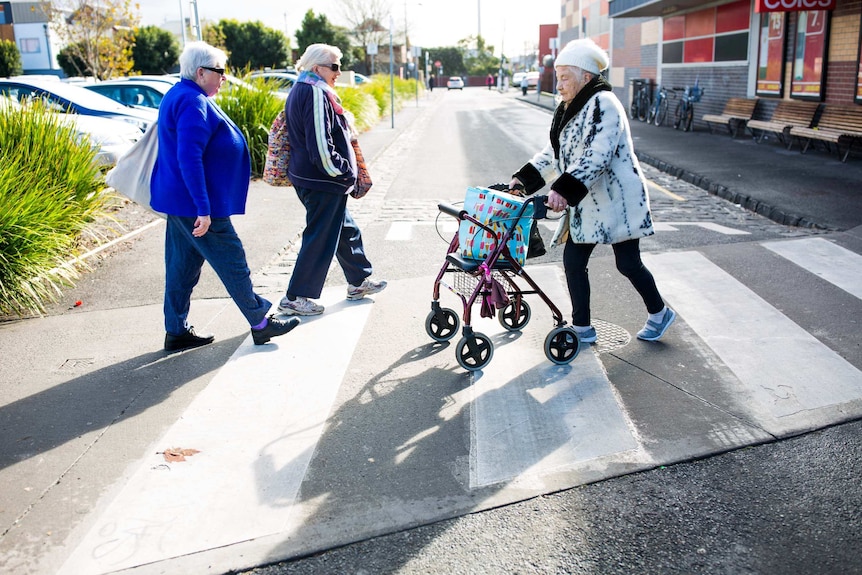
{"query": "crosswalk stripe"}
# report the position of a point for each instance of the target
(837, 265)
(255, 447)
(530, 417)
(403, 231)
(782, 367)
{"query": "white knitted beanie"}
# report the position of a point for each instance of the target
(584, 54)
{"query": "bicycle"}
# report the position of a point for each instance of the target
(658, 111)
(685, 107)
(640, 103)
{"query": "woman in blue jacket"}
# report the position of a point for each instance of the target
(200, 179)
(323, 172)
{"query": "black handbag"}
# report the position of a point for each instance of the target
(536, 246)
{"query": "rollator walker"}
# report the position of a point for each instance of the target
(492, 282)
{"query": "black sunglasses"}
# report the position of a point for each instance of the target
(219, 71)
(334, 67)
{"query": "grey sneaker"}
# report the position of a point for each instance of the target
(299, 306)
(653, 331)
(367, 287)
(588, 335)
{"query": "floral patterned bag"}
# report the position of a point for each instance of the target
(277, 153)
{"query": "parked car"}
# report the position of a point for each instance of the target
(133, 91)
(516, 79)
(532, 79)
(361, 78)
(283, 80)
(69, 98)
(455, 83)
(110, 138)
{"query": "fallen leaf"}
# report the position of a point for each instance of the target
(178, 454)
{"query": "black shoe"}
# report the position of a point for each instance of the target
(274, 327)
(187, 340)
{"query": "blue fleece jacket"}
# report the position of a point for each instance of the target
(203, 166)
(321, 155)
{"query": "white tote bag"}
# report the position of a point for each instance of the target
(131, 176)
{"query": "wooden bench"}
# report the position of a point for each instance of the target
(737, 112)
(836, 123)
(788, 114)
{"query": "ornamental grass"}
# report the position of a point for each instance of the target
(50, 189)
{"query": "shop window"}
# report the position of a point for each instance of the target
(770, 60)
(809, 60)
(718, 34)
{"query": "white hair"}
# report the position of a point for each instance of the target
(198, 54)
(318, 55)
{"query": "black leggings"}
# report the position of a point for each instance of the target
(628, 258)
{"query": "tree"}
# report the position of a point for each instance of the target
(71, 63)
(99, 34)
(451, 59)
(155, 51)
(480, 61)
(318, 30)
(10, 59)
(365, 18)
(251, 44)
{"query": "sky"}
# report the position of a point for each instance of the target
(512, 25)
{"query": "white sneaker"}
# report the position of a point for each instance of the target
(299, 306)
(367, 287)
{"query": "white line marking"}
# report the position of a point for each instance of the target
(399, 232)
(531, 417)
(254, 450)
(713, 227)
(786, 369)
(403, 231)
(835, 264)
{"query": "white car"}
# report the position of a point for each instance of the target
(72, 99)
(455, 83)
(110, 138)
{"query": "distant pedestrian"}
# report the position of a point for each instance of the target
(323, 170)
(490, 81)
(525, 84)
(431, 82)
(200, 179)
(598, 182)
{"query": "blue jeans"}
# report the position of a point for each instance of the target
(184, 258)
(329, 231)
(628, 260)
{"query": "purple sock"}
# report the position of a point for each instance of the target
(261, 325)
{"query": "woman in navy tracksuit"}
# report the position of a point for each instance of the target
(323, 171)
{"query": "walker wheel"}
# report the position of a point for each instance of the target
(514, 318)
(474, 351)
(562, 345)
(442, 324)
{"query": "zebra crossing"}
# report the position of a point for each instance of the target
(405, 231)
(361, 426)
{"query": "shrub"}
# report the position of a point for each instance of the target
(10, 59)
(362, 105)
(253, 111)
(50, 189)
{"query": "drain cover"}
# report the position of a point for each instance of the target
(610, 337)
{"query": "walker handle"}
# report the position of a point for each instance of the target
(452, 211)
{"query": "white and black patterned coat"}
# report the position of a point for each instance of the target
(597, 162)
